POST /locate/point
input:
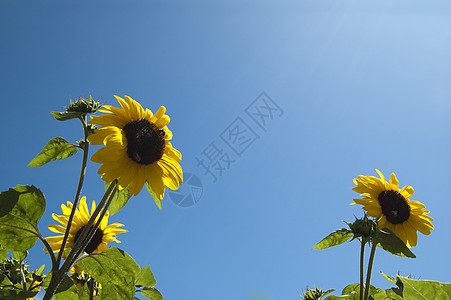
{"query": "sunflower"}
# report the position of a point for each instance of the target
(137, 148)
(392, 207)
(103, 235)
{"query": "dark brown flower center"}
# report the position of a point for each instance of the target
(95, 241)
(394, 206)
(145, 141)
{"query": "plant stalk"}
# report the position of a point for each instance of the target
(362, 260)
(57, 276)
(370, 268)
(77, 194)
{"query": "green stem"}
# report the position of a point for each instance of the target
(93, 229)
(77, 194)
(47, 246)
(58, 276)
(370, 268)
(362, 259)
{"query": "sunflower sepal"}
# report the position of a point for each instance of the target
(155, 198)
(390, 242)
(55, 149)
(336, 238)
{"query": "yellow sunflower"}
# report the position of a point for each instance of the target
(137, 148)
(392, 206)
(104, 234)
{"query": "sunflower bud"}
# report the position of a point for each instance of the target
(365, 228)
(315, 294)
(88, 106)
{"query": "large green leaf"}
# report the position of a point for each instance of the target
(56, 149)
(115, 270)
(120, 199)
(335, 238)
(387, 240)
(20, 210)
(424, 289)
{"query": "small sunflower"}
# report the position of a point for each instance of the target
(392, 207)
(103, 235)
(137, 148)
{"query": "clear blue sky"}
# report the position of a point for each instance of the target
(362, 85)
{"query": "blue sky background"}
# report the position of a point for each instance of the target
(362, 84)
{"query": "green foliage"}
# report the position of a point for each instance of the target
(121, 198)
(154, 196)
(151, 293)
(352, 292)
(20, 210)
(387, 240)
(115, 270)
(146, 280)
(334, 239)
(12, 294)
(56, 149)
(65, 291)
(419, 289)
(315, 294)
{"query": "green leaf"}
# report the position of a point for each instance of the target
(394, 294)
(3, 254)
(20, 210)
(335, 238)
(120, 199)
(151, 293)
(424, 289)
(145, 277)
(352, 292)
(10, 294)
(20, 255)
(154, 196)
(40, 270)
(56, 149)
(115, 270)
(387, 240)
(63, 116)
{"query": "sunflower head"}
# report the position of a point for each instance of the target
(136, 148)
(103, 235)
(392, 207)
